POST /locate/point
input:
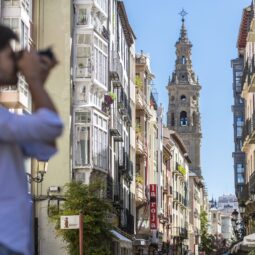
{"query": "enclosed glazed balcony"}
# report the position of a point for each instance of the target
(248, 132)
(14, 97)
(99, 6)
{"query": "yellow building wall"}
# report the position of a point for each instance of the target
(53, 28)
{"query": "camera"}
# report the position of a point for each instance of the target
(46, 52)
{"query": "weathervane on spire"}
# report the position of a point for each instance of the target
(183, 13)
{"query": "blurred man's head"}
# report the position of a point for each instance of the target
(8, 72)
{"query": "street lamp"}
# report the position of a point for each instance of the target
(42, 167)
(237, 223)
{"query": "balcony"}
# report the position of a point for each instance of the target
(123, 161)
(176, 196)
(251, 76)
(116, 71)
(180, 232)
(140, 194)
(129, 227)
(116, 129)
(83, 71)
(252, 183)
(141, 147)
(180, 170)
(139, 99)
(248, 132)
(141, 102)
(100, 6)
(14, 97)
(245, 193)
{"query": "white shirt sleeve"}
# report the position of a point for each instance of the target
(41, 126)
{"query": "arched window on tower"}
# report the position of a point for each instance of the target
(183, 60)
(183, 98)
(183, 119)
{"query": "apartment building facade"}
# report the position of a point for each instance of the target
(248, 144)
(239, 104)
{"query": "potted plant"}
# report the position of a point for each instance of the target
(108, 99)
(139, 179)
(138, 82)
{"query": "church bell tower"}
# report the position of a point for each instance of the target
(183, 109)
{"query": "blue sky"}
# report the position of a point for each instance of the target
(212, 28)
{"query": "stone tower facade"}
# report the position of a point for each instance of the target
(183, 110)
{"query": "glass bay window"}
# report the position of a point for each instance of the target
(90, 140)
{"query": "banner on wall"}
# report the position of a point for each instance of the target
(153, 206)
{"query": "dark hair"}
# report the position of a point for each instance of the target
(6, 35)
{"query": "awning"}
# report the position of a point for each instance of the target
(244, 246)
(123, 241)
(249, 240)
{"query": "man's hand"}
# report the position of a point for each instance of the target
(35, 67)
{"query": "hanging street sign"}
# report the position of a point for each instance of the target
(69, 222)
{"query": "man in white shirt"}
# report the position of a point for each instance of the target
(22, 136)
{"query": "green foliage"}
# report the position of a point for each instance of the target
(138, 82)
(96, 234)
(139, 179)
(206, 239)
(112, 95)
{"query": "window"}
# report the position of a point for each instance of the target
(240, 178)
(240, 173)
(13, 23)
(82, 117)
(239, 126)
(82, 17)
(82, 138)
(23, 35)
(183, 60)
(82, 145)
(183, 119)
(100, 55)
(239, 168)
(11, 2)
(100, 142)
(183, 98)
(83, 62)
(26, 5)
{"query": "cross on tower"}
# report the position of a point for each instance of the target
(183, 13)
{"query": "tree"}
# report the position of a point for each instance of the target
(96, 229)
(206, 244)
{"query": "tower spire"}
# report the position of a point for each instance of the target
(183, 35)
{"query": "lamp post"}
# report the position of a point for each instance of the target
(41, 169)
(238, 223)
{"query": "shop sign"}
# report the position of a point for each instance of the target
(153, 206)
(69, 222)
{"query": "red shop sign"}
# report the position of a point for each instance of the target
(153, 206)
